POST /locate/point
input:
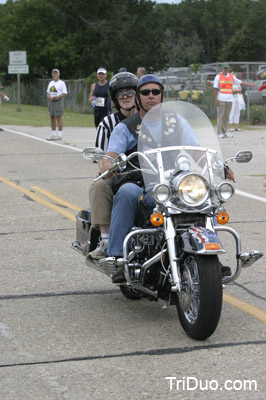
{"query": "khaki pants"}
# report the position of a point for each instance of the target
(223, 113)
(101, 202)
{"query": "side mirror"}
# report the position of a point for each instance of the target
(243, 156)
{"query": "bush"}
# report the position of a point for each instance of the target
(257, 115)
(206, 103)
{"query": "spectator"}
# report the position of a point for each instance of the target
(237, 105)
(223, 97)
(140, 72)
(99, 97)
(56, 92)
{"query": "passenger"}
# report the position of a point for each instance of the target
(122, 89)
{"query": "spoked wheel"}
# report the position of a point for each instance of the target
(130, 293)
(199, 303)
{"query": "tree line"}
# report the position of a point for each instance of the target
(78, 36)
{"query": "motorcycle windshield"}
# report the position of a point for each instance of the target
(177, 136)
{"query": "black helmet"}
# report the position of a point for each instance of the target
(149, 79)
(120, 81)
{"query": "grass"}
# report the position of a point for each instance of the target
(39, 116)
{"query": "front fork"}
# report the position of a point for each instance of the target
(170, 235)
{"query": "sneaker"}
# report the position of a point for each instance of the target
(226, 134)
(232, 130)
(238, 129)
(100, 251)
(221, 135)
(53, 137)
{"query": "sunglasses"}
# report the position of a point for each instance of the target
(146, 92)
(128, 93)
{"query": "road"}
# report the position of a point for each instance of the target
(67, 333)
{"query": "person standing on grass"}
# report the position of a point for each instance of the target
(56, 92)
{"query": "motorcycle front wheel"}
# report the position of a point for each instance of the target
(199, 304)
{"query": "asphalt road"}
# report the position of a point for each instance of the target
(67, 333)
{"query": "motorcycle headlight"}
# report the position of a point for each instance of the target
(192, 189)
(224, 191)
(161, 193)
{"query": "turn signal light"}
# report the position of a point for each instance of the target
(222, 218)
(156, 219)
(212, 246)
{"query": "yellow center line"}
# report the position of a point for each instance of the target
(242, 305)
(246, 307)
(34, 197)
(55, 198)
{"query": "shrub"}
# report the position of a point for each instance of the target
(206, 103)
(257, 115)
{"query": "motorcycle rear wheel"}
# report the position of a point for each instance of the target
(199, 304)
(130, 293)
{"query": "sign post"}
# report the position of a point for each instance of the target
(18, 65)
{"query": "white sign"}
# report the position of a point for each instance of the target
(17, 58)
(18, 69)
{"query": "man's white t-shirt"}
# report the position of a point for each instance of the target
(56, 88)
(224, 96)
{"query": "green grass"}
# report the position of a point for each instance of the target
(39, 116)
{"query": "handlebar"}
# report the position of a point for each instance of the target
(121, 161)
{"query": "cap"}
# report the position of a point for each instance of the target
(225, 65)
(56, 70)
(122, 69)
(101, 71)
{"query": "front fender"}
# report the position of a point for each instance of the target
(199, 240)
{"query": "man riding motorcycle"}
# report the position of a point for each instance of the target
(124, 139)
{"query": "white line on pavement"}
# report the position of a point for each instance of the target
(239, 192)
(44, 140)
(250, 196)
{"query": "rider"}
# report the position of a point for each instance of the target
(122, 89)
(124, 140)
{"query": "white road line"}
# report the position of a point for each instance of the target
(44, 140)
(250, 196)
(239, 192)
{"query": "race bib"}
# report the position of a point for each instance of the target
(99, 102)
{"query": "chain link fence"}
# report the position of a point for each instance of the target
(35, 93)
(193, 84)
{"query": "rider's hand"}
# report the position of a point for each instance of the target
(229, 174)
(104, 165)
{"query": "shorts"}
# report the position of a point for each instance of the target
(56, 108)
(99, 114)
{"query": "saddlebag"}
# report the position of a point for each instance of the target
(85, 234)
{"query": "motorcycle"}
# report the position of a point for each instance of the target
(172, 252)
